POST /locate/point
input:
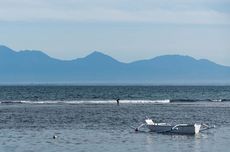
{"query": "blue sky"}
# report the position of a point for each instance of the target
(128, 30)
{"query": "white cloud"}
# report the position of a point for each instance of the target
(165, 11)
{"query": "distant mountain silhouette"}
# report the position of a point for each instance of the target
(31, 66)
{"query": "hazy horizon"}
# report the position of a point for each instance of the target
(35, 67)
(101, 52)
(127, 30)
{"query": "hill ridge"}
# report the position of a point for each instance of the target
(36, 66)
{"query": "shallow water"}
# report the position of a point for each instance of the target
(107, 127)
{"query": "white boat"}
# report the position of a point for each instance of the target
(177, 129)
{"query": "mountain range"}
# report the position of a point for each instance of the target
(31, 66)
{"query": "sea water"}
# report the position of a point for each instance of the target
(87, 118)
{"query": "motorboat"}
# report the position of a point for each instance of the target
(175, 129)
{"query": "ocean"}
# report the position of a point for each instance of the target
(87, 118)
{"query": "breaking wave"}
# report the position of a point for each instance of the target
(115, 102)
(89, 102)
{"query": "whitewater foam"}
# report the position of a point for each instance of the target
(90, 102)
(114, 101)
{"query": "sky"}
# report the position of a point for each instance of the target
(127, 30)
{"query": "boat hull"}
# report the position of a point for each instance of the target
(180, 129)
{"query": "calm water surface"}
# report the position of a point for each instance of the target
(97, 124)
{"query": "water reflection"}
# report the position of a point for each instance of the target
(173, 142)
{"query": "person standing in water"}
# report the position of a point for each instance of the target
(118, 101)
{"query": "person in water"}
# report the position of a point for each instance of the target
(118, 101)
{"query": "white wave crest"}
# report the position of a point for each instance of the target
(217, 100)
(144, 101)
(90, 102)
